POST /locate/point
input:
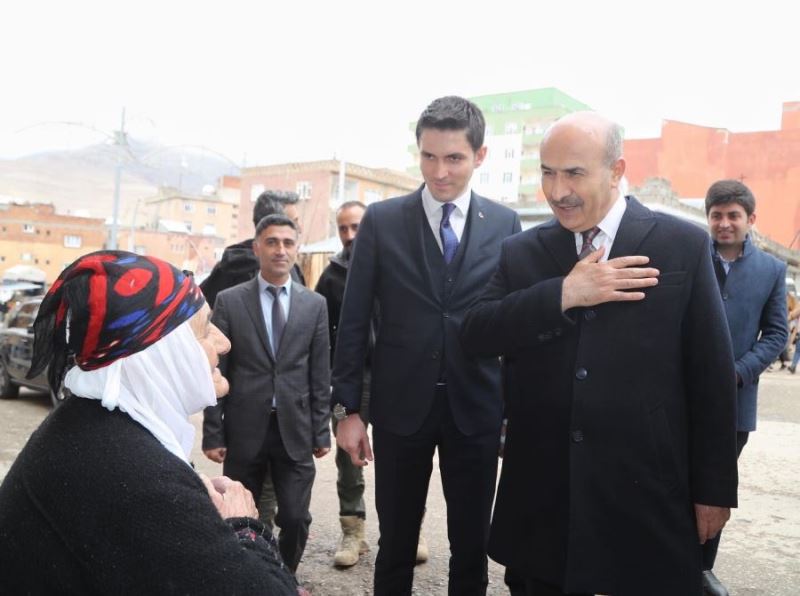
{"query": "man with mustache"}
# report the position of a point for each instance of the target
(620, 454)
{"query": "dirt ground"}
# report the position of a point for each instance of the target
(759, 554)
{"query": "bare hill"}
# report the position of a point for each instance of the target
(82, 181)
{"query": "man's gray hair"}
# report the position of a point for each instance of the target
(613, 144)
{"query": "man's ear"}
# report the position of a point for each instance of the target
(480, 155)
(617, 171)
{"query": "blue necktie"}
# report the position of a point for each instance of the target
(448, 236)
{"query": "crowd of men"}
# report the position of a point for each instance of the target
(610, 355)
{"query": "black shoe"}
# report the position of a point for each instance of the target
(792, 369)
(712, 586)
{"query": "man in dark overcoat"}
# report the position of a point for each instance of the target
(620, 455)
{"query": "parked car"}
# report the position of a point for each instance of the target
(16, 352)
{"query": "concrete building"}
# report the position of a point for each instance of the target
(174, 243)
(515, 124)
(692, 157)
(317, 184)
(188, 231)
(213, 213)
(34, 234)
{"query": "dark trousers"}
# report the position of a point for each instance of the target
(711, 546)
(403, 465)
(292, 481)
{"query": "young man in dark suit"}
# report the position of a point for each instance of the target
(753, 288)
(620, 454)
(277, 412)
(422, 259)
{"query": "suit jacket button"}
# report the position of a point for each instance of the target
(435, 355)
(725, 296)
(446, 315)
(558, 331)
(589, 315)
(577, 436)
(581, 374)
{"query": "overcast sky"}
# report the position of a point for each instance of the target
(267, 82)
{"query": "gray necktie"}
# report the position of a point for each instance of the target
(587, 248)
(278, 318)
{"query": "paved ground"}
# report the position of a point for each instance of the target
(759, 555)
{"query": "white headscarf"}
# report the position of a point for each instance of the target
(159, 387)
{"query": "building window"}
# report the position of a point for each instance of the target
(508, 177)
(511, 127)
(188, 225)
(72, 241)
(485, 177)
(303, 190)
(211, 210)
(188, 207)
(509, 153)
(28, 228)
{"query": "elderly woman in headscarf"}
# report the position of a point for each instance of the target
(103, 499)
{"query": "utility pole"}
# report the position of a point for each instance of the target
(120, 141)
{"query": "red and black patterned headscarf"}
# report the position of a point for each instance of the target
(119, 303)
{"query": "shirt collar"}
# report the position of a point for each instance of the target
(263, 284)
(610, 223)
(461, 202)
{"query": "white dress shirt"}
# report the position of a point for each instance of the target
(458, 218)
(608, 228)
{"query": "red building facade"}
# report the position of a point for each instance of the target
(692, 157)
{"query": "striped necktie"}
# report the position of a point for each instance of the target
(587, 247)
